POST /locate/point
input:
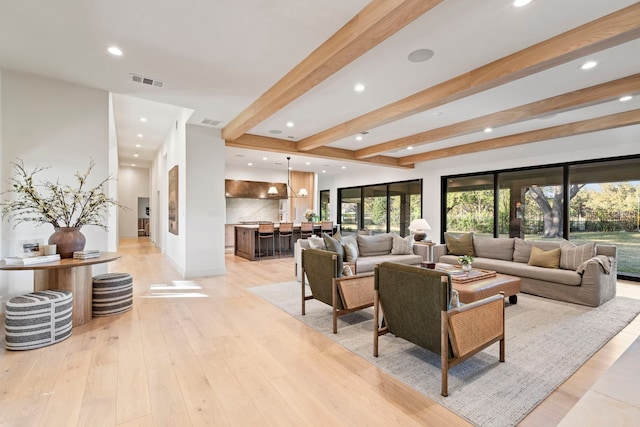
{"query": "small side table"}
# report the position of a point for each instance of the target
(429, 245)
(68, 274)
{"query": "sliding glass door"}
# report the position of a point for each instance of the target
(587, 201)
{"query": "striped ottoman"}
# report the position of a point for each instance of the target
(38, 319)
(112, 294)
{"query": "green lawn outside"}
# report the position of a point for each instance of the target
(627, 244)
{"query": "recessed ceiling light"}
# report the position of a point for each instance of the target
(275, 131)
(140, 135)
(588, 65)
(290, 168)
(264, 158)
(520, 3)
(249, 164)
(420, 55)
(307, 163)
(344, 167)
(487, 130)
(114, 50)
(626, 98)
(136, 155)
(133, 164)
(289, 124)
(359, 87)
(410, 148)
(359, 138)
(143, 119)
(138, 145)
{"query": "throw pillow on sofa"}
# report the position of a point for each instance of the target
(334, 245)
(350, 252)
(546, 259)
(379, 244)
(494, 248)
(316, 242)
(459, 243)
(402, 245)
(571, 256)
(521, 250)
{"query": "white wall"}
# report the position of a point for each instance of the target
(204, 217)
(132, 184)
(175, 155)
(114, 212)
(597, 145)
(47, 122)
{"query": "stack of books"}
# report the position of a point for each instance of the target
(90, 253)
(31, 260)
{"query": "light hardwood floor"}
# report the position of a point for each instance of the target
(208, 352)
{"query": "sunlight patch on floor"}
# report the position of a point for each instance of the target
(174, 290)
(175, 295)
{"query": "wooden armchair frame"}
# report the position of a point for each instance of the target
(344, 294)
(463, 331)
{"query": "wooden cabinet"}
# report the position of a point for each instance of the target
(245, 242)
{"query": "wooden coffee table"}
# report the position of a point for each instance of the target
(483, 288)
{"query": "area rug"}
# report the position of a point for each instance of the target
(546, 342)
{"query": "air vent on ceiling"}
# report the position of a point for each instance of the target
(210, 122)
(146, 81)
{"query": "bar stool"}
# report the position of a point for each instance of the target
(285, 232)
(266, 231)
(306, 229)
(326, 227)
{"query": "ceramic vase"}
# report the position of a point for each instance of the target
(466, 267)
(67, 241)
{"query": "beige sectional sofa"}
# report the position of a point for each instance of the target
(367, 251)
(559, 270)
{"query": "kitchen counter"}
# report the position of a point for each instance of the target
(246, 238)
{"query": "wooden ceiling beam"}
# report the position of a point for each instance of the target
(376, 22)
(263, 143)
(581, 98)
(603, 33)
(612, 121)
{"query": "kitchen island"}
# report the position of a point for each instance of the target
(246, 239)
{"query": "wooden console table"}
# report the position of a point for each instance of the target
(68, 274)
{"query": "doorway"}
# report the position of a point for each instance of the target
(143, 217)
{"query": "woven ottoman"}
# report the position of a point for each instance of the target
(38, 319)
(112, 294)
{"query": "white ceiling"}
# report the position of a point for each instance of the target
(217, 57)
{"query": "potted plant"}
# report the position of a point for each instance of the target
(66, 208)
(465, 261)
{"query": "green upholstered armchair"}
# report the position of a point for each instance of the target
(413, 303)
(344, 294)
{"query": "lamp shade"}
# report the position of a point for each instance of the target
(272, 190)
(419, 224)
(303, 192)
